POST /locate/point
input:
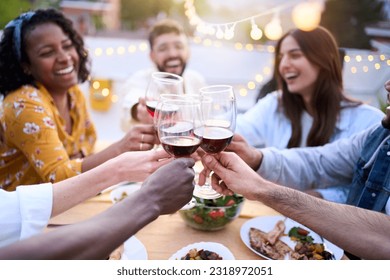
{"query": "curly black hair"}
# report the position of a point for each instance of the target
(12, 75)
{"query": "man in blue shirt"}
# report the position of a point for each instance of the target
(363, 161)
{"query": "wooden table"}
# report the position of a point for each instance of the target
(169, 233)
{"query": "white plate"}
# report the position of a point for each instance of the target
(267, 223)
(120, 191)
(210, 246)
(134, 250)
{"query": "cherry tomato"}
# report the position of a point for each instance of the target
(198, 219)
(215, 214)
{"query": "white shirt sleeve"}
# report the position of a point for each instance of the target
(134, 88)
(24, 212)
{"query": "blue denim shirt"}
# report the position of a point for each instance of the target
(370, 187)
(339, 163)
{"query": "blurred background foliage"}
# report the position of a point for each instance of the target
(346, 19)
(135, 15)
(9, 9)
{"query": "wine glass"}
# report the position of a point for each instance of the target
(162, 83)
(219, 116)
(179, 125)
(166, 96)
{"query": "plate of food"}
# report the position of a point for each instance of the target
(134, 250)
(203, 251)
(121, 191)
(280, 238)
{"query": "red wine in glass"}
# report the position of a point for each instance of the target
(219, 116)
(180, 146)
(216, 139)
(151, 107)
(161, 83)
(176, 121)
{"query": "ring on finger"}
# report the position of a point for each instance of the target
(140, 146)
(142, 137)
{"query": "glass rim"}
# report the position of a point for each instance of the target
(164, 76)
(185, 102)
(215, 88)
(174, 96)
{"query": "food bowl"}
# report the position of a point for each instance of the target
(213, 214)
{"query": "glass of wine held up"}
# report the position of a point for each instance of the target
(219, 116)
(179, 125)
(167, 96)
(162, 83)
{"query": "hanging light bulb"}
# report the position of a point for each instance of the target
(219, 34)
(201, 28)
(210, 30)
(256, 32)
(307, 15)
(273, 30)
(229, 32)
(194, 20)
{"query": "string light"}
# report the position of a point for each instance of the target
(229, 31)
(355, 63)
(371, 62)
(273, 30)
(256, 32)
(306, 15)
(121, 50)
(219, 34)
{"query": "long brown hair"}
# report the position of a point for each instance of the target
(320, 48)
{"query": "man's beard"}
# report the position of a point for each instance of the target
(163, 69)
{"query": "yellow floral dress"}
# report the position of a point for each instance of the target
(36, 146)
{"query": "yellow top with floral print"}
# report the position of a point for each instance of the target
(36, 146)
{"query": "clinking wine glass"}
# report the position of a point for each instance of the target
(180, 126)
(162, 83)
(166, 96)
(219, 116)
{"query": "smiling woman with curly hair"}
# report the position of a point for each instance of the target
(48, 134)
(13, 54)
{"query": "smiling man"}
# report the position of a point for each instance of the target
(169, 52)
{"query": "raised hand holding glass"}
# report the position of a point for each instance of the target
(219, 116)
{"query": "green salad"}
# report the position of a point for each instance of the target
(213, 214)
